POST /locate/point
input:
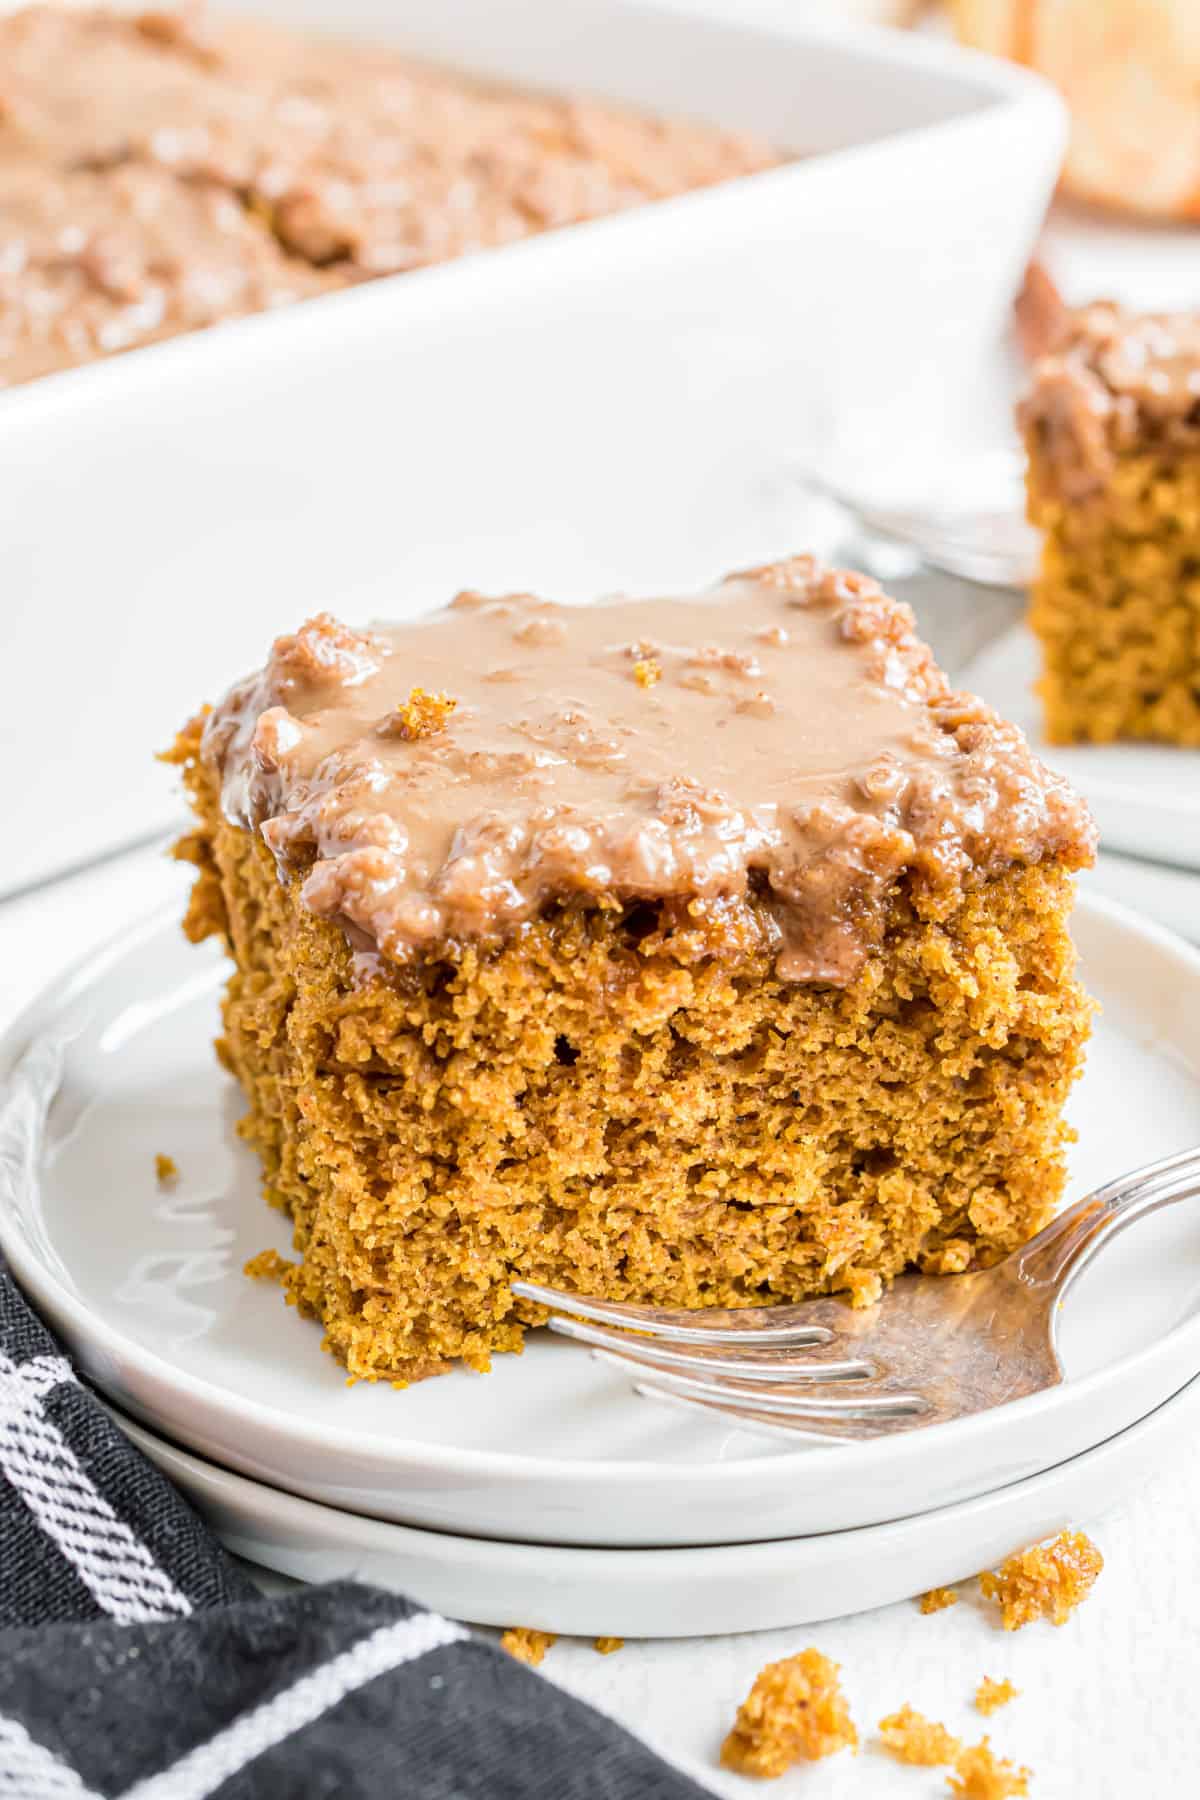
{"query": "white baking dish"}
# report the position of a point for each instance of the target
(613, 405)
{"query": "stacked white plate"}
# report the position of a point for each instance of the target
(547, 1492)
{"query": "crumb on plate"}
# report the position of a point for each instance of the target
(979, 1774)
(992, 1694)
(912, 1738)
(606, 1645)
(268, 1265)
(1046, 1581)
(166, 1169)
(526, 1644)
(938, 1599)
(795, 1709)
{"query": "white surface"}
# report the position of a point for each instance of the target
(1107, 1707)
(1107, 1710)
(1172, 896)
(1095, 255)
(672, 1593)
(609, 406)
(552, 1447)
(1145, 797)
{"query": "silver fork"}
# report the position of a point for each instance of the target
(936, 1347)
(989, 544)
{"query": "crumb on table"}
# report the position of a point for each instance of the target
(938, 1599)
(166, 1169)
(912, 1738)
(526, 1644)
(979, 1774)
(795, 1709)
(992, 1694)
(268, 1265)
(1046, 1581)
(646, 672)
(421, 716)
(606, 1645)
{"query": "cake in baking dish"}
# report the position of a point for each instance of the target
(1112, 428)
(694, 951)
(170, 169)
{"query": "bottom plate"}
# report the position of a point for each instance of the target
(1170, 896)
(669, 1593)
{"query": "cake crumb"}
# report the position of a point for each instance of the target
(526, 1644)
(1047, 1581)
(606, 1645)
(864, 1287)
(166, 1170)
(421, 716)
(646, 672)
(795, 1709)
(938, 1599)
(990, 1695)
(912, 1738)
(268, 1265)
(979, 1774)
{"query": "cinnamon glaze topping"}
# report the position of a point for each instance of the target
(785, 736)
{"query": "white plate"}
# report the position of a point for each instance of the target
(146, 1289)
(1171, 896)
(671, 1593)
(1145, 797)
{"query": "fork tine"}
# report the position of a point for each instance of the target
(855, 1405)
(774, 1324)
(769, 1364)
(782, 1430)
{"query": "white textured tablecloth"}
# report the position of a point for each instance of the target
(1108, 1705)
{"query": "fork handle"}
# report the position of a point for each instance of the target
(1066, 1246)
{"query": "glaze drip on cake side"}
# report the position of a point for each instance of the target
(785, 736)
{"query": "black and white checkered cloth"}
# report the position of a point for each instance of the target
(137, 1661)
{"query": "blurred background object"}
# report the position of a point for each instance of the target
(875, 12)
(1130, 73)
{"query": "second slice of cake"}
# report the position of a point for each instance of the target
(704, 951)
(1112, 429)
